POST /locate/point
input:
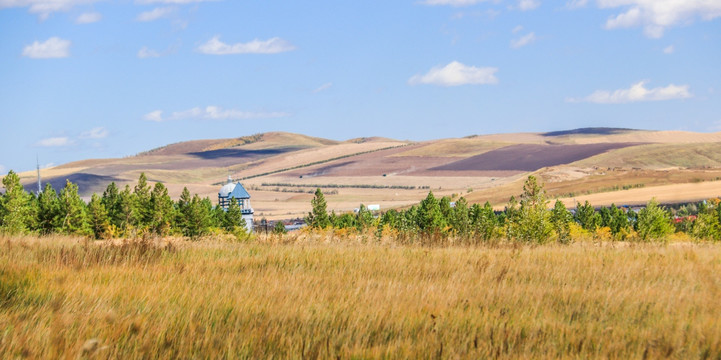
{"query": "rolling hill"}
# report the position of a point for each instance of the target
(281, 169)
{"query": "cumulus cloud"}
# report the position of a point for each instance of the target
(655, 16)
(54, 142)
(517, 29)
(271, 46)
(637, 93)
(212, 113)
(323, 87)
(88, 18)
(523, 40)
(455, 74)
(452, 2)
(54, 47)
(525, 5)
(155, 14)
(574, 4)
(95, 133)
(43, 8)
(669, 49)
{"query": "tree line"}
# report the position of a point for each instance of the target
(128, 212)
(528, 219)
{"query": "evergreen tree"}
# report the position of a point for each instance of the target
(586, 216)
(233, 218)
(196, 217)
(125, 205)
(161, 211)
(113, 205)
(48, 210)
(98, 217)
(619, 220)
(532, 223)
(318, 217)
(561, 219)
(654, 222)
(279, 228)
(15, 208)
(429, 218)
(140, 213)
(461, 219)
(364, 218)
(72, 219)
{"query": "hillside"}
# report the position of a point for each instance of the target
(281, 169)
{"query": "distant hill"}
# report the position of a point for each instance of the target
(280, 168)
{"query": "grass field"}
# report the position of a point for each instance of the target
(322, 296)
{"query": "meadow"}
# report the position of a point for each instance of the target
(330, 295)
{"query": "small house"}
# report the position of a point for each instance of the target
(236, 192)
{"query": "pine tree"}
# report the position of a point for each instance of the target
(318, 217)
(72, 219)
(485, 222)
(533, 221)
(196, 216)
(161, 210)
(15, 209)
(140, 213)
(48, 210)
(561, 219)
(98, 217)
(429, 218)
(113, 205)
(461, 219)
(587, 217)
(233, 217)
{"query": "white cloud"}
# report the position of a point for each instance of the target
(525, 5)
(147, 53)
(523, 40)
(54, 47)
(55, 141)
(271, 46)
(95, 133)
(43, 8)
(323, 87)
(517, 29)
(212, 113)
(637, 93)
(156, 115)
(455, 74)
(88, 18)
(453, 2)
(669, 49)
(155, 14)
(655, 16)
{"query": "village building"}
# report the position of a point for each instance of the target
(236, 192)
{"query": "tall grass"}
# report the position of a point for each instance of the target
(313, 297)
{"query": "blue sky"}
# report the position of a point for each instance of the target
(94, 79)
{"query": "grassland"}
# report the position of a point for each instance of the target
(320, 295)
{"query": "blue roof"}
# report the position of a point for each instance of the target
(239, 192)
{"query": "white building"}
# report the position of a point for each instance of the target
(236, 192)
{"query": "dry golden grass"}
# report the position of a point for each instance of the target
(454, 148)
(308, 296)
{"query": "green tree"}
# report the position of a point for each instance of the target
(113, 205)
(429, 217)
(586, 216)
(561, 219)
(654, 222)
(98, 217)
(279, 228)
(619, 223)
(318, 217)
(485, 221)
(141, 208)
(364, 218)
(72, 219)
(532, 223)
(233, 217)
(15, 209)
(161, 211)
(48, 209)
(196, 217)
(461, 219)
